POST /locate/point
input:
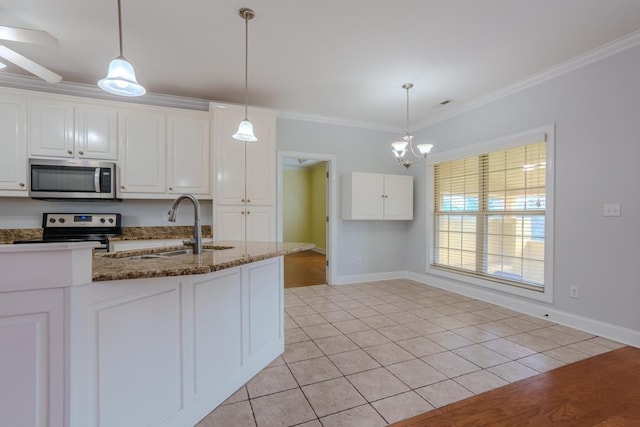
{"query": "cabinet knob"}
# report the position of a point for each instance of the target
(248, 212)
(242, 201)
(69, 152)
(81, 152)
(122, 187)
(242, 212)
(248, 201)
(170, 188)
(21, 184)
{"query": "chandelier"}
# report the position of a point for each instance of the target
(405, 146)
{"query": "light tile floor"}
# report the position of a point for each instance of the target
(375, 353)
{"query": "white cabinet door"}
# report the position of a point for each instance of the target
(32, 358)
(398, 200)
(51, 128)
(260, 169)
(229, 223)
(96, 132)
(371, 196)
(260, 223)
(188, 160)
(363, 195)
(245, 171)
(230, 157)
(142, 153)
(265, 295)
(253, 223)
(13, 146)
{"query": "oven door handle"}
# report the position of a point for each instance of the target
(96, 179)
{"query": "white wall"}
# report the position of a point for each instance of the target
(27, 213)
(378, 244)
(596, 111)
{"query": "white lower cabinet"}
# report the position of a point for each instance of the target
(32, 358)
(167, 351)
(253, 223)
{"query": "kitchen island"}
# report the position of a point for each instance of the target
(147, 340)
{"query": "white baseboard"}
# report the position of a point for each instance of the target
(372, 277)
(592, 326)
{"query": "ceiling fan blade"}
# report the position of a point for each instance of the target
(29, 65)
(26, 35)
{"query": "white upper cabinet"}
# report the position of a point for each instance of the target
(142, 146)
(13, 146)
(96, 132)
(61, 128)
(189, 152)
(372, 196)
(245, 171)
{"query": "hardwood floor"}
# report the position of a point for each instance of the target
(602, 391)
(305, 268)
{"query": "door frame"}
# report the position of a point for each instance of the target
(332, 205)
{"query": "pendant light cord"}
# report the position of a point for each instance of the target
(246, 64)
(120, 28)
(407, 107)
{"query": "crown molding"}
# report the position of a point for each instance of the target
(291, 115)
(93, 91)
(627, 42)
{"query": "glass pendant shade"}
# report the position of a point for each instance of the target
(245, 132)
(121, 79)
(424, 148)
(399, 147)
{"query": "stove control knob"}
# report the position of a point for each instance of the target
(111, 220)
(102, 220)
(52, 220)
(61, 220)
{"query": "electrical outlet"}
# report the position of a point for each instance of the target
(611, 209)
(358, 260)
(575, 292)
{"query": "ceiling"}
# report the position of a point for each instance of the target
(335, 59)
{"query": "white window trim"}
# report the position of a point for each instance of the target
(487, 147)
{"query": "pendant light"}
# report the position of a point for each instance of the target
(121, 79)
(403, 146)
(245, 129)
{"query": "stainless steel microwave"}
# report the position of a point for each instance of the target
(72, 179)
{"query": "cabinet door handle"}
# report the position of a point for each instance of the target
(21, 184)
(69, 152)
(81, 152)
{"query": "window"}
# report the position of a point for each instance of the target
(489, 213)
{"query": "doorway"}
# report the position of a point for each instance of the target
(305, 212)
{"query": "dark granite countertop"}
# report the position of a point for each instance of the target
(117, 266)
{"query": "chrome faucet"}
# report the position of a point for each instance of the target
(197, 230)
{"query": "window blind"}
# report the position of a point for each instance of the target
(489, 214)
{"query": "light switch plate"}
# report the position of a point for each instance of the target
(612, 209)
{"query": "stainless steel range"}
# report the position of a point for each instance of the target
(79, 227)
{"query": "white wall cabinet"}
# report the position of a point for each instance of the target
(163, 152)
(371, 196)
(253, 223)
(189, 154)
(13, 146)
(245, 183)
(32, 358)
(142, 144)
(65, 129)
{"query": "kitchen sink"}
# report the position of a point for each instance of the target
(162, 253)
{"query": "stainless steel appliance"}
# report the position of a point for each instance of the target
(72, 179)
(79, 227)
